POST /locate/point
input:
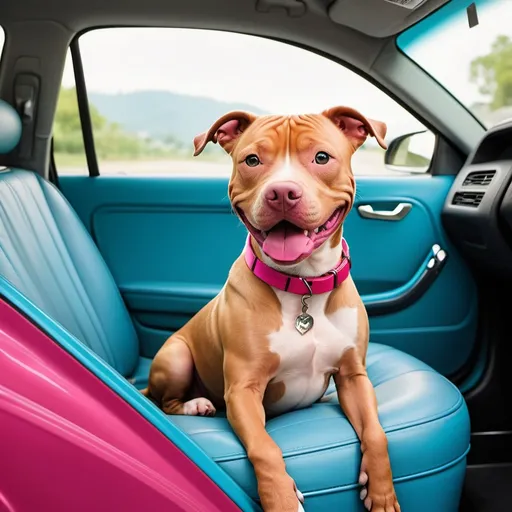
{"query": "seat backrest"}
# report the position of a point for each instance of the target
(48, 255)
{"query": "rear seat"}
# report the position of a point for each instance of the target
(47, 254)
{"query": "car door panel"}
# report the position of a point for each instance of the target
(170, 242)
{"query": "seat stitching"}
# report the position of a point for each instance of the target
(8, 225)
(376, 383)
(4, 250)
(305, 450)
(389, 429)
(43, 254)
(417, 370)
(108, 276)
(448, 411)
(36, 284)
(404, 478)
(77, 284)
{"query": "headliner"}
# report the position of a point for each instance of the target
(386, 18)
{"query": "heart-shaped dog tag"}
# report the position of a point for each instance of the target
(303, 323)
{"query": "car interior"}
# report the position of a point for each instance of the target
(111, 252)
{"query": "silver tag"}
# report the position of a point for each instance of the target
(303, 323)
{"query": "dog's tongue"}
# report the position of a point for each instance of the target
(287, 243)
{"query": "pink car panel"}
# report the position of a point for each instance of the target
(76, 445)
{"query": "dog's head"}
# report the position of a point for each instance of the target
(292, 183)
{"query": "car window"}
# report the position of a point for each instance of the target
(477, 69)
(151, 90)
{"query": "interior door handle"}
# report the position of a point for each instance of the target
(400, 211)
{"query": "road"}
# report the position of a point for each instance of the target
(364, 163)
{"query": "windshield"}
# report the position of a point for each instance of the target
(474, 63)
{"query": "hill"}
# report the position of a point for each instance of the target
(163, 115)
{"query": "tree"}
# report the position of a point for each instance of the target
(493, 73)
(110, 140)
(67, 130)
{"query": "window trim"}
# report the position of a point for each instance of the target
(86, 123)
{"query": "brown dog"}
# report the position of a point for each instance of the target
(289, 316)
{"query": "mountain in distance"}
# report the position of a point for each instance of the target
(163, 114)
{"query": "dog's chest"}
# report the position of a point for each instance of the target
(307, 361)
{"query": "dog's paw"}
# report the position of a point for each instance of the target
(377, 501)
(278, 493)
(199, 407)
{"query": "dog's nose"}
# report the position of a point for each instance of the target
(283, 196)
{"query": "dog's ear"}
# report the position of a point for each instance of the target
(225, 131)
(355, 126)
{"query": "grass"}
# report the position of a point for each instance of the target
(69, 160)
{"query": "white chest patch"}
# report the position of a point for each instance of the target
(306, 361)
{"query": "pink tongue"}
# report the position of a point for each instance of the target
(287, 243)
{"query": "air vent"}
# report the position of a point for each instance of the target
(472, 199)
(479, 178)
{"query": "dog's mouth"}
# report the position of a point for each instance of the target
(287, 244)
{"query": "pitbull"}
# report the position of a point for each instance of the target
(289, 316)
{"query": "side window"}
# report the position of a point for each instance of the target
(151, 90)
(68, 142)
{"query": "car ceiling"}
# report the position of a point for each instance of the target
(375, 18)
(341, 28)
(358, 33)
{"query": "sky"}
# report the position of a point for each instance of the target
(271, 75)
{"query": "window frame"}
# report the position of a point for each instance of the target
(84, 110)
(443, 153)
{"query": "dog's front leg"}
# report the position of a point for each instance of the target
(357, 398)
(245, 384)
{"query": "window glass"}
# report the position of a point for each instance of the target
(477, 69)
(68, 142)
(151, 90)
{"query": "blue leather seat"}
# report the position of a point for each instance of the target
(423, 414)
(48, 255)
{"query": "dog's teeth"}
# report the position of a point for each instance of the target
(316, 230)
(306, 232)
(264, 234)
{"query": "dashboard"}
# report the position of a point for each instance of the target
(477, 213)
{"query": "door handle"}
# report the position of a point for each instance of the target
(400, 211)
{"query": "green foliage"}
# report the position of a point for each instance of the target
(169, 121)
(493, 73)
(110, 140)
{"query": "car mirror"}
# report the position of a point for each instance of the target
(411, 153)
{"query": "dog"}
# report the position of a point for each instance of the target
(289, 316)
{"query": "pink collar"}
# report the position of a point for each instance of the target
(322, 284)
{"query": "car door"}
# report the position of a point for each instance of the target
(162, 219)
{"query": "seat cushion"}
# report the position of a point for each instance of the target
(140, 376)
(47, 254)
(423, 414)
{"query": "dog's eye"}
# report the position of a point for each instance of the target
(252, 161)
(322, 158)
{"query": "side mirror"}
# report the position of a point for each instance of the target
(411, 153)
